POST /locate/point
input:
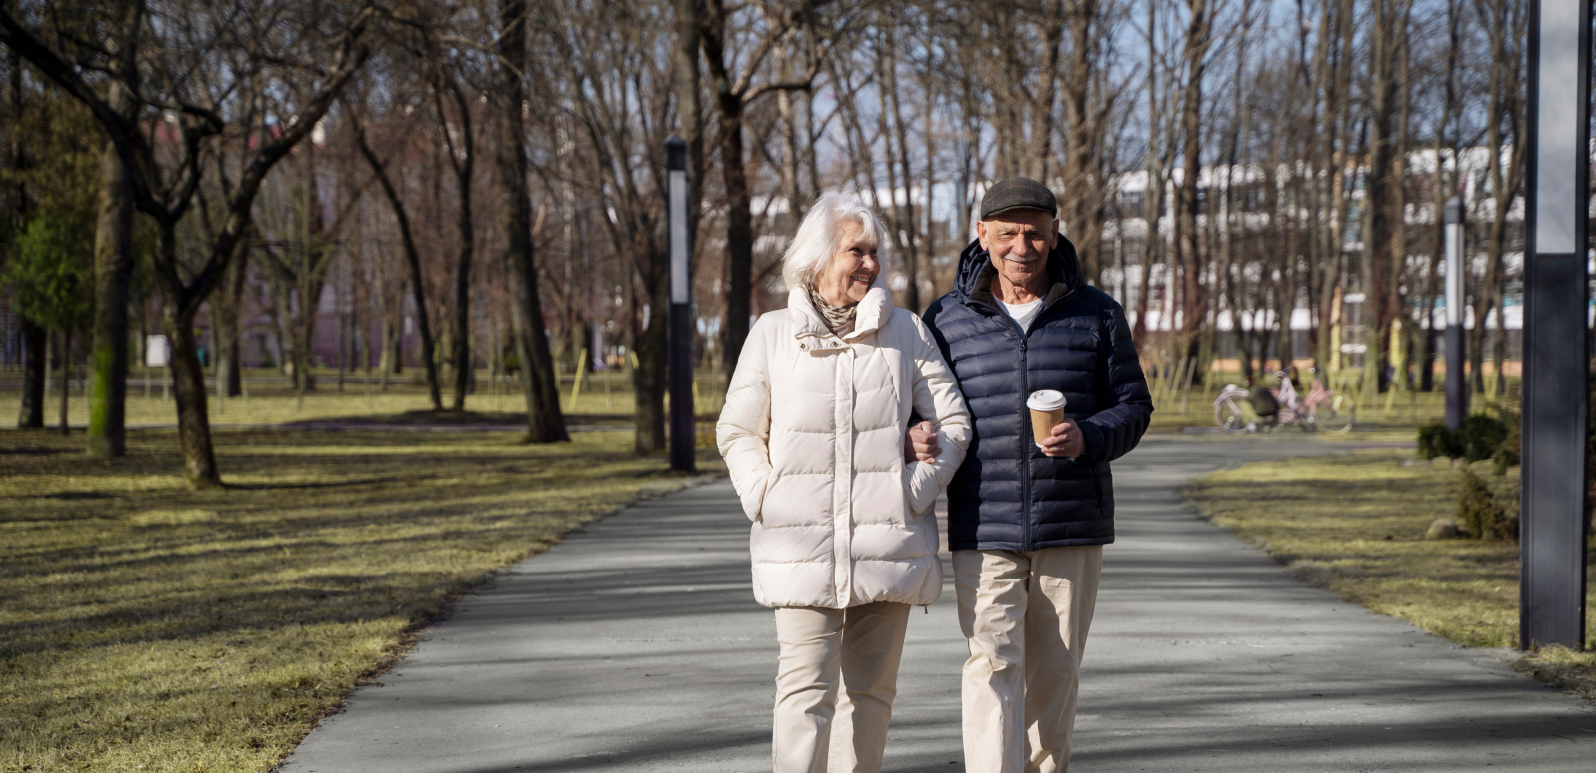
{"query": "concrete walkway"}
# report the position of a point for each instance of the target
(636, 645)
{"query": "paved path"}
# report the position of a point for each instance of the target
(635, 645)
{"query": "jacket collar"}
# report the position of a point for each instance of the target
(973, 284)
(874, 311)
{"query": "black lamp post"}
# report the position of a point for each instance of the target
(679, 333)
(1556, 302)
(1457, 389)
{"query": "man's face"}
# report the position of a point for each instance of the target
(1019, 241)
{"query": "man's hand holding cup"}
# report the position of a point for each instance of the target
(1065, 441)
(1057, 436)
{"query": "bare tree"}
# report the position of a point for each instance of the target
(401, 214)
(273, 60)
(545, 423)
(735, 91)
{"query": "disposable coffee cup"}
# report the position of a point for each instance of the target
(1047, 410)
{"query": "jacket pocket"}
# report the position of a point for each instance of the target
(754, 499)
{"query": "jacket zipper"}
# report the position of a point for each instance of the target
(1025, 414)
(1025, 450)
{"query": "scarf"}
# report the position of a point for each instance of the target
(838, 320)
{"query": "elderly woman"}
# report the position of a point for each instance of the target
(844, 540)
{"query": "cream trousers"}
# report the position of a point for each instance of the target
(1025, 616)
(856, 649)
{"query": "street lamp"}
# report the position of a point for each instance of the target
(679, 330)
(1556, 351)
(1457, 393)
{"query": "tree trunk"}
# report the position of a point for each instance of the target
(904, 219)
(734, 175)
(464, 162)
(1196, 50)
(187, 374)
(413, 259)
(66, 377)
(193, 413)
(545, 422)
(230, 351)
(462, 313)
(313, 283)
(1383, 196)
(113, 273)
(35, 369)
(648, 378)
(1080, 191)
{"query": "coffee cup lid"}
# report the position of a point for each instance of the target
(1045, 400)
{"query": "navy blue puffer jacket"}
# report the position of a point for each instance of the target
(1007, 495)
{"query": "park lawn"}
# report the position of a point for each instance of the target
(147, 627)
(1356, 524)
(273, 400)
(1390, 416)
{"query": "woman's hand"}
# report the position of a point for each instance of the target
(920, 443)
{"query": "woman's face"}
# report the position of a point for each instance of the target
(852, 270)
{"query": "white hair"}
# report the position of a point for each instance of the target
(815, 244)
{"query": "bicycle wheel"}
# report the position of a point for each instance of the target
(1335, 414)
(1229, 416)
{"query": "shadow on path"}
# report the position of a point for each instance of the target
(636, 645)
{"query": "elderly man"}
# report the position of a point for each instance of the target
(1027, 522)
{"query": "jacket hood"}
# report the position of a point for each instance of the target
(1063, 267)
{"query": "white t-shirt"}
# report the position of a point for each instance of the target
(1022, 313)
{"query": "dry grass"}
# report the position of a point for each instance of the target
(1562, 667)
(272, 399)
(147, 627)
(1356, 525)
(1392, 416)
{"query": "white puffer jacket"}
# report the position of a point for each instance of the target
(812, 432)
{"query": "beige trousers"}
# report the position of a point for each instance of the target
(856, 649)
(1026, 617)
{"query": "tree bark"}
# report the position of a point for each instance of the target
(413, 260)
(648, 378)
(230, 351)
(903, 217)
(35, 368)
(734, 175)
(1081, 192)
(1196, 51)
(462, 158)
(113, 273)
(66, 378)
(188, 376)
(545, 422)
(1380, 237)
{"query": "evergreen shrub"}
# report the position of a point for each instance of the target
(1482, 514)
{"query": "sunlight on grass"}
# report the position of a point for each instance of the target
(1356, 525)
(142, 624)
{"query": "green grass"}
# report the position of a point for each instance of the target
(147, 627)
(1356, 525)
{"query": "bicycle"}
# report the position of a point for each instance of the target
(1322, 409)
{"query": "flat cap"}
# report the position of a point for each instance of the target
(1017, 193)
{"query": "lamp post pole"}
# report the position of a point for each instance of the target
(1457, 390)
(679, 333)
(1556, 351)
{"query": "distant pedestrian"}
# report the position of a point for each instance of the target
(844, 539)
(1032, 506)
